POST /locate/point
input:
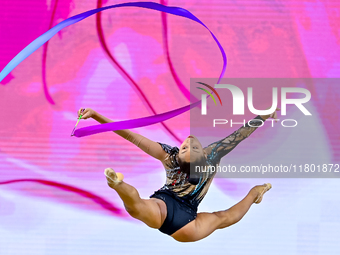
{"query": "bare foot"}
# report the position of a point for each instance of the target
(261, 189)
(112, 177)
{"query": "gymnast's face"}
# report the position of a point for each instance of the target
(191, 150)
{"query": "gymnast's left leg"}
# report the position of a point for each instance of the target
(150, 211)
(207, 223)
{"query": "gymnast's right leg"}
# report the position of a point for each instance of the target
(150, 211)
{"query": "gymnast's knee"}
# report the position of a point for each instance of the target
(226, 218)
(135, 210)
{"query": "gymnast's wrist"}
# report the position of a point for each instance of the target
(96, 116)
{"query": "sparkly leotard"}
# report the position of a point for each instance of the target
(177, 181)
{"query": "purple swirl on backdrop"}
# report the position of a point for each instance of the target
(44, 57)
(179, 83)
(89, 195)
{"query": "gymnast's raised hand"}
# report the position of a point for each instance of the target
(173, 208)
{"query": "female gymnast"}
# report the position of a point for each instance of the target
(173, 208)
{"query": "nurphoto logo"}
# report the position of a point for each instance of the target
(238, 100)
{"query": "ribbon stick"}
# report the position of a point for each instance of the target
(33, 46)
(76, 125)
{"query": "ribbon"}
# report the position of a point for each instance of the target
(37, 43)
(135, 123)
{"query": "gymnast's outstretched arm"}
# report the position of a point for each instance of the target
(219, 149)
(150, 147)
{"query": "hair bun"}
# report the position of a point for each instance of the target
(194, 180)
